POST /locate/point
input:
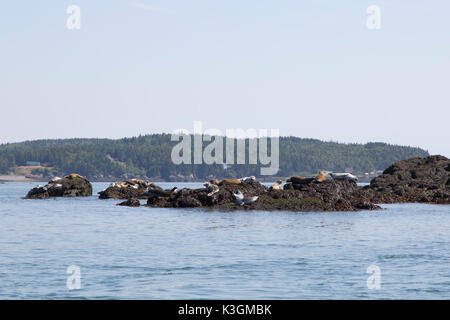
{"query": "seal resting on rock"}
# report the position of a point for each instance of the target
(250, 200)
(55, 180)
(300, 180)
(212, 188)
(248, 179)
(240, 200)
(157, 191)
(276, 185)
(74, 175)
(344, 176)
(295, 179)
(321, 177)
(225, 181)
(238, 195)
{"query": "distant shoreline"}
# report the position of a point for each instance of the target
(11, 178)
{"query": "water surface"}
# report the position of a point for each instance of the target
(150, 253)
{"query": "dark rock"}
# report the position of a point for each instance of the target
(189, 202)
(132, 188)
(157, 191)
(199, 197)
(38, 192)
(330, 195)
(72, 185)
(423, 180)
(130, 203)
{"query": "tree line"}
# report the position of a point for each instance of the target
(150, 156)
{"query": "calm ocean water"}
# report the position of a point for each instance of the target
(147, 253)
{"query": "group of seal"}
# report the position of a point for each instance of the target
(154, 190)
(131, 183)
(213, 187)
(322, 176)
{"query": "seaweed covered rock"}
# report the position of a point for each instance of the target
(72, 185)
(425, 180)
(330, 195)
(132, 188)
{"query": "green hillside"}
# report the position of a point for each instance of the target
(150, 156)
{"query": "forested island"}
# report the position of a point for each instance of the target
(149, 156)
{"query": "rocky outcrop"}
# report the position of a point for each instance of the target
(72, 185)
(330, 195)
(425, 180)
(189, 198)
(130, 203)
(132, 188)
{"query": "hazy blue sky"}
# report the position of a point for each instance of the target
(310, 68)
